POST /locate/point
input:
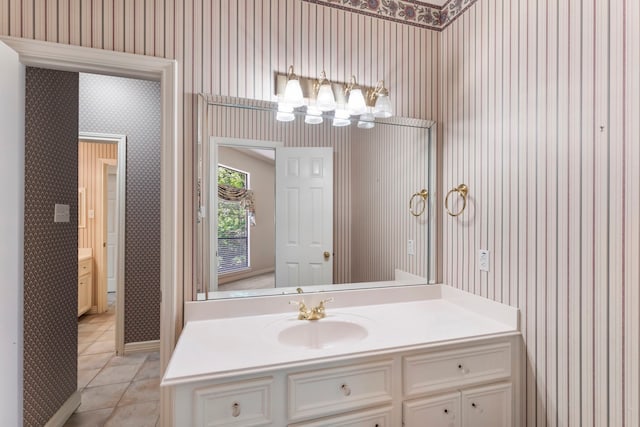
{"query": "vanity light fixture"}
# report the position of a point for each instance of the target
(379, 98)
(325, 100)
(356, 104)
(320, 97)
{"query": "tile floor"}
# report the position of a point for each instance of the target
(116, 390)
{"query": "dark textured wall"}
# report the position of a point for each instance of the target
(50, 249)
(132, 107)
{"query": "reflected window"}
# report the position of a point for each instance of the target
(233, 230)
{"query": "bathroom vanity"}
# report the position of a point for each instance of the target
(85, 280)
(418, 355)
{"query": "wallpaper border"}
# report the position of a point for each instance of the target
(410, 12)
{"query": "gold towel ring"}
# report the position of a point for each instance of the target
(462, 190)
(423, 194)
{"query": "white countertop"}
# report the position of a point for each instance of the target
(224, 347)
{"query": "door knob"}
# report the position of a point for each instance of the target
(326, 255)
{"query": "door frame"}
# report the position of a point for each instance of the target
(101, 287)
(172, 227)
(210, 222)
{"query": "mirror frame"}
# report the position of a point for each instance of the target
(201, 151)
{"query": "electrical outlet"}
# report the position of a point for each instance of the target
(411, 249)
(483, 260)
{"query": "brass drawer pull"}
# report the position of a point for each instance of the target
(235, 410)
(345, 389)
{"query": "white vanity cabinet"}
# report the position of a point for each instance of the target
(460, 368)
(436, 357)
(446, 385)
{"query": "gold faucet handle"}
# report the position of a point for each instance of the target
(300, 304)
(324, 301)
(320, 309)
(302, 309)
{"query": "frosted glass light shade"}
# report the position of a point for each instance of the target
(314, 115)
(282, 116)
(356, 104)
(341, 118)
(326, 101)
(284, 107)
(383, 108)
(367, 120)
(285, 113)
(363, 124)
(293, 94)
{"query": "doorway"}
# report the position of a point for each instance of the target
(80, 59)
(102, 165)
(299, 188)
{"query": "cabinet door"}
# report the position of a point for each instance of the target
(487, 406)
(439, 411)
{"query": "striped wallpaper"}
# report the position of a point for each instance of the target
(389, 164)
(234, 47)
(541, 117)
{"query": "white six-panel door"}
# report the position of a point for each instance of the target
(304, 216)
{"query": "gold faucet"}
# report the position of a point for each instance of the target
(315, 313)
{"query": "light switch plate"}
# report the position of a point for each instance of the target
(483, 260)
(61, 213)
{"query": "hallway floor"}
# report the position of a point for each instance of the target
(116, 390)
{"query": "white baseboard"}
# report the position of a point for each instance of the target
(65, 411)
(141, 346)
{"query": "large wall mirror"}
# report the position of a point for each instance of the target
(287, 205)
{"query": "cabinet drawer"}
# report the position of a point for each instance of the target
(84, 267)
(327, 391)
(84, 280)
(430, 372)
(379, 417)
(245, 403)
(439, 411)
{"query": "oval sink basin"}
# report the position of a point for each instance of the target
(322, 333)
